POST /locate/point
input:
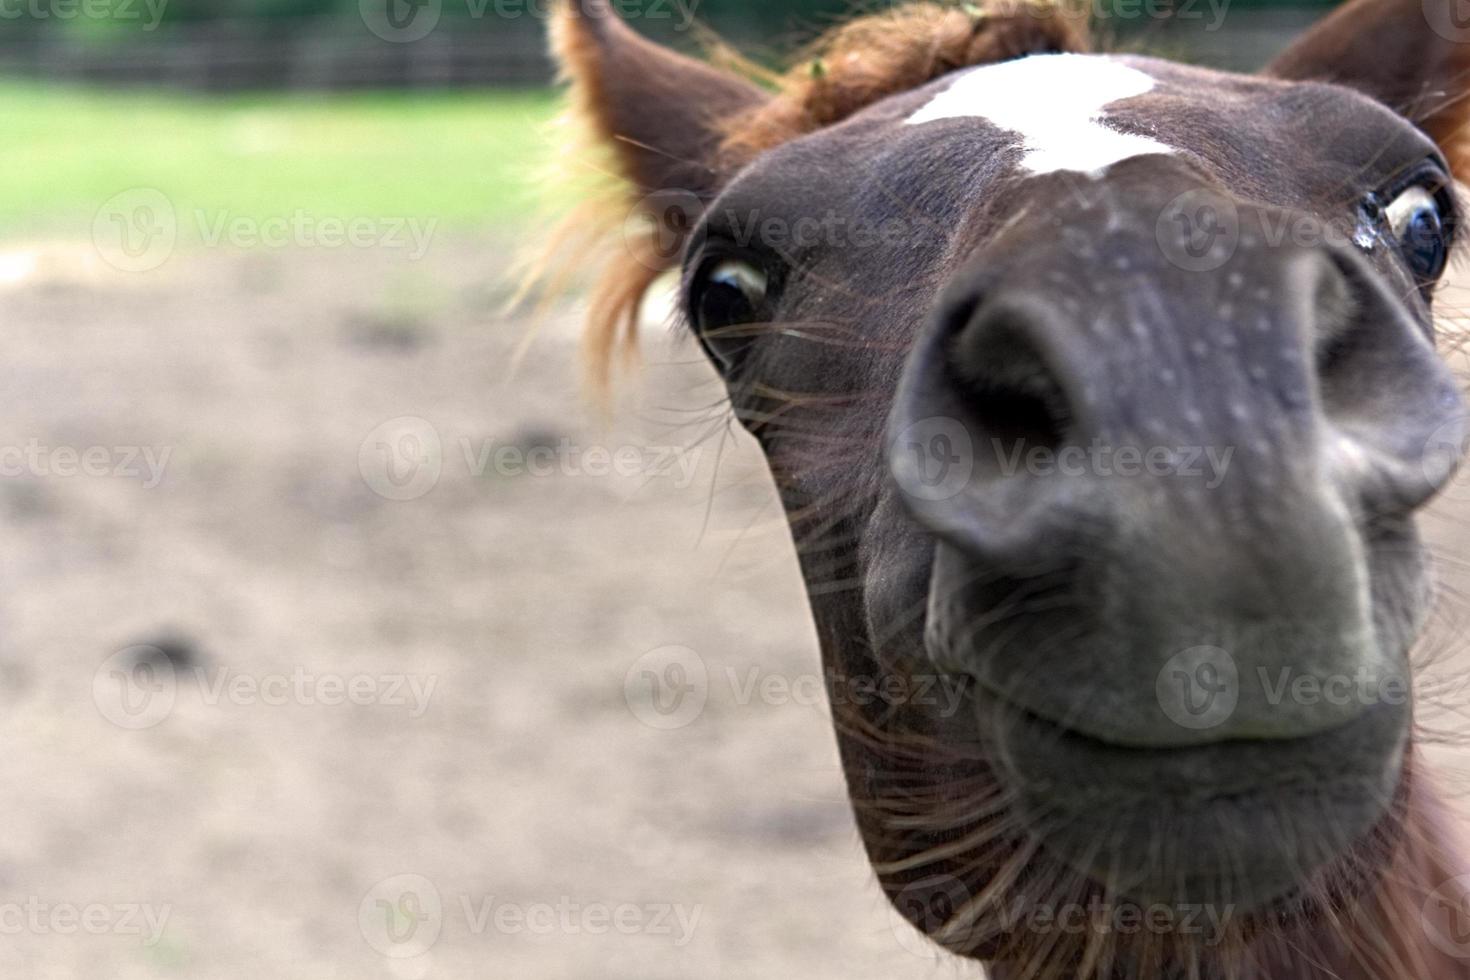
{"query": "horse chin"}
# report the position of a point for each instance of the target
(1237, 827)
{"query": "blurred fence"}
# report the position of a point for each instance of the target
(420, 51)
(329, 53)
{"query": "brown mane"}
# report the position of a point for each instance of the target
(851, 67)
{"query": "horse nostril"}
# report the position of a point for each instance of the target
(1011, 393)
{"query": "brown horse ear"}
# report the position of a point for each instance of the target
(1412, 55)
(659, 111)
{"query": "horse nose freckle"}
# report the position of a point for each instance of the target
(1168, 377)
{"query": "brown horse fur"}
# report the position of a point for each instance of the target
(851, 67)
(1366, 920)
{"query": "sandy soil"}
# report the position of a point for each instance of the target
(353, 501)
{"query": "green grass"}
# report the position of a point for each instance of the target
(465, 160)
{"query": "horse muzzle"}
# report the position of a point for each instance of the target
(1175, 542)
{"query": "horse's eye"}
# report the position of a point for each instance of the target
(730, 292)
(1417, 224)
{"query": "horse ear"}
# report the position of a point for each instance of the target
(1412, 55)
(658, 111)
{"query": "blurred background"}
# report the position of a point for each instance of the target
(334, 625)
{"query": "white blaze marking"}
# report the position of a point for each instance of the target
(1055, 103)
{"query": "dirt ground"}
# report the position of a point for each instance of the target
(410, 608)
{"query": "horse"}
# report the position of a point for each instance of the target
(1110, 386)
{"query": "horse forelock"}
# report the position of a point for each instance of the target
(880, 55)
